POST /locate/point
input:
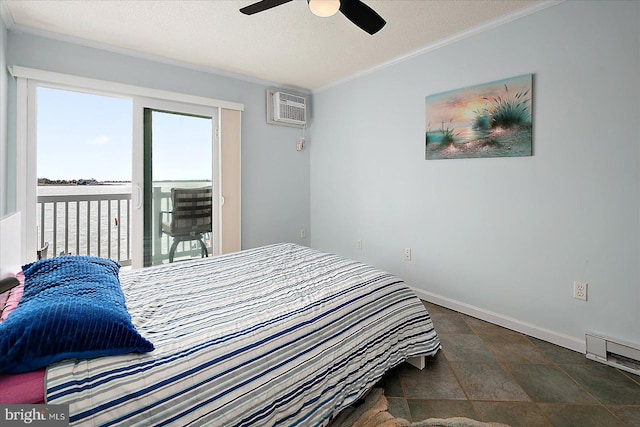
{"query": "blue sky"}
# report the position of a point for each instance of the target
(90, 136)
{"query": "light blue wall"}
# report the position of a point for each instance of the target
(505, 235)
(275, 178)
(3, 116)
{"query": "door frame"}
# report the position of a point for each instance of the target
(138, 173)
(27, 81)
(27, 153)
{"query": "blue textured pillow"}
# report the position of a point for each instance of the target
(72, 307)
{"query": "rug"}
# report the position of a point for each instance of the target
(373, 413)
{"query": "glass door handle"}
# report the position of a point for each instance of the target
(138, 197)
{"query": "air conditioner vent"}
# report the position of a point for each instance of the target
(286, 108)
(289, 108)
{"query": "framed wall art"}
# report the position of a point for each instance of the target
(487, 120)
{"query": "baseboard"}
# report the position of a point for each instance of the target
(544, 334)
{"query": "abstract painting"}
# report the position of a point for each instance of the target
(487, 120)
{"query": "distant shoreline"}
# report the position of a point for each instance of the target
(74, 182)
(45, 182)
(75, 185)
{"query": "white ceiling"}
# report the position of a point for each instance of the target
(286, 45)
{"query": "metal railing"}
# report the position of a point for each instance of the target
(87, 224)
(100, 225)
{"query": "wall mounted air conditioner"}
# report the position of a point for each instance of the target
(286, 108)
(621, 355)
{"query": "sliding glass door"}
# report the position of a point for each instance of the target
(84, 174)
(173, 150)
(178, 196)
(84, 146)
(176, 183)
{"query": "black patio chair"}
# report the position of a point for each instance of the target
(190, 217)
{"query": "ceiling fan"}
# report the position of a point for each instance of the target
(354, 10)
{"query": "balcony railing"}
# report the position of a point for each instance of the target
(100, 225)
(87, 224)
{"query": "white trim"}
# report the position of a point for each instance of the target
(21, 157)
(572, 343)
(4, 136)
(137, 185)
(119, 88)
(147, 56)
(536, 7)
(26, 179)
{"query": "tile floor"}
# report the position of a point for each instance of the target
(490, 373)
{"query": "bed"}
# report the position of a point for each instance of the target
(277, 335)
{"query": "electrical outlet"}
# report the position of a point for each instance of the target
(303, 233)
(407, 254)
(580, 290)
(359, 244)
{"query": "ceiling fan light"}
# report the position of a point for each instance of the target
(324, 8)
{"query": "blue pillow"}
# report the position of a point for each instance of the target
(72, 307)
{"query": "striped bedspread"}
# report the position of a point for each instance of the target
(279, 335)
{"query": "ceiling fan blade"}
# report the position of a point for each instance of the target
(362, 15)
(262, 5)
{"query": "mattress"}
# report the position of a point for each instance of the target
(278, 335)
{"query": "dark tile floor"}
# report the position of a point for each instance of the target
(490, 373)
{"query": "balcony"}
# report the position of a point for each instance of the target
(96, 221)
(86, 224)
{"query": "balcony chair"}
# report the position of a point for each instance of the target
(190, 217)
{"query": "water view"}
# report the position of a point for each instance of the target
(85, 135)
(96, 220)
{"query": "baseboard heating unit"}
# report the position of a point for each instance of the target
(621, 355)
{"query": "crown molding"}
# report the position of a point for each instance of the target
(16, 28)
(536, 7)
(6, 16)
